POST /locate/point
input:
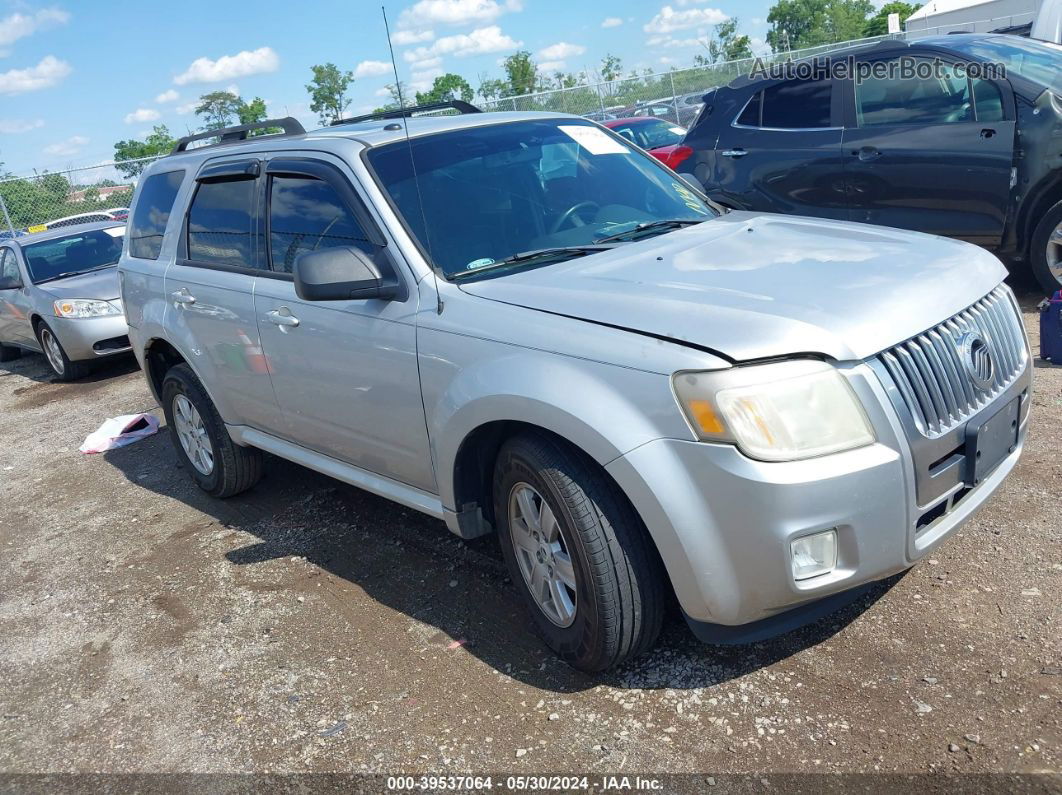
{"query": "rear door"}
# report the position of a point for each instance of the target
(345, 372)
(932, 153)
(782, 152)
(210, 289)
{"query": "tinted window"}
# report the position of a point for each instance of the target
(307, 215)
(1034, 60)
(221, 223)
(988, 100)
(750, 117)
(8, 265)
(895, 100)
(153, 209)
(797, 105)
(77, 253)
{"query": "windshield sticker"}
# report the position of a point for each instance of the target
(690, 199)
(678, 130)
(115, 231)
(479, 263)
(593, 140)
(37, 228)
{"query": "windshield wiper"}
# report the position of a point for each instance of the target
(538, 255)
(68, 274)
(649, 226)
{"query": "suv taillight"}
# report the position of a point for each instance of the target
(676, 156)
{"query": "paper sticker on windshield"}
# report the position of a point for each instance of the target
(115, 231)
(678, 130)
(479, 263)
(689, 198)
(36, 228)
(593, 140)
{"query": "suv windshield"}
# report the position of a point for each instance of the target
(1037, 61)
(73, 254)
(488, 194)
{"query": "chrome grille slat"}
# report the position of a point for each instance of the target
(932, 378)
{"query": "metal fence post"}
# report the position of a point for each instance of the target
(600, 100)
(7, 218)
(674, 97)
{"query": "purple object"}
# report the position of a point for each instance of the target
(1051, 329)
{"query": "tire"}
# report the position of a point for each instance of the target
(55, 355)
(9, 353)
(188, 409)
(1045, 257)
(617, 604)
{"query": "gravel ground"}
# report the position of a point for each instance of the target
(309, 626)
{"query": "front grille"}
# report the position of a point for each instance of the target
(932, 377)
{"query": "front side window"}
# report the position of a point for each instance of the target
(307, 214)
(895, 99)
(8, 267)
(152, 213)
(798, 105)
(79, 253)
(486, 194)
(221, 223)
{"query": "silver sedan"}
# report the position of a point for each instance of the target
(59, 296)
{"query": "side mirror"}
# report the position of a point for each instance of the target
(340, 274)
(10, 282)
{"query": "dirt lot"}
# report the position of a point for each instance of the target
(309, 626)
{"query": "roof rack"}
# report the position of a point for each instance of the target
(459, 105)
(228, 135)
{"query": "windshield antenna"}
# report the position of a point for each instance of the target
(416, 181)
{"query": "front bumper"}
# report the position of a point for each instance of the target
(723, 523)
(92, 337)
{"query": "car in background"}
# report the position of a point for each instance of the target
(966, 157)
(118, 213)
(98, 216)
(59, 296)
(658, 137)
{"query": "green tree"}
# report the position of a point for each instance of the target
(611, 68)
(521, 72)
(492, 89)
(399, 98)
(253, 112)
(328, 92)
(726, 45)
(878, 25)
(218, 109)
(809, 23)
(445, 88)
(159, 142)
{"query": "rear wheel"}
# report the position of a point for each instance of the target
(219, 466)
(1045, 255)
(578, 553)
(64, 369)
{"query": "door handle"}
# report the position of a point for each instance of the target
(182, 296)
(987, 133)
(285, 319)
(734, 153)
(867, 153)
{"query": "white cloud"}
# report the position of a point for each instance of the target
(167, 96)
(13, 126)
(552, 66)
(186, 108)
(427, 63)
(478, 42)
(672, 43)
(423, 80)
(669, 20)
(382, 92)
(45, 74)
(242, 64)
(426, 13)
(403, 38)
(233, 89)
(71, 146)
(611, 22)
(371, 69)
(141, 115)
(17, 26)
(560, 50)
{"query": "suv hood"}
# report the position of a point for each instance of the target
(752, 286)
(102, 285)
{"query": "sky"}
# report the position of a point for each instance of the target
(78, 75)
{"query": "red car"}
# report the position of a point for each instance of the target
(658, 137)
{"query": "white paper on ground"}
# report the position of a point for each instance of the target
(593, 140)
(120, 431)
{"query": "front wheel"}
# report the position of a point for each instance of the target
(64, 369)
(578, 553)
(1045, 255)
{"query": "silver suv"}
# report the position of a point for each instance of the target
(520, 323)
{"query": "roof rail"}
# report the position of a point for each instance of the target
(459, 105)
(228, 135)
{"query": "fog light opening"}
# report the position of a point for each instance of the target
(814, 555)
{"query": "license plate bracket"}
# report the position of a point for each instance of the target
(989, 442)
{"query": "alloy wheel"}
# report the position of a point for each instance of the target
(193, 435)
(52, 351)
(543, 555)
(1054, 254)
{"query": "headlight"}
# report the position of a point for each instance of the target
(775, 412)
(84, 307)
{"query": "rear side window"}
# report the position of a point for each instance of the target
(307, 214)
(797, 105)
(152, 213)
(221, 223)
(750, 117)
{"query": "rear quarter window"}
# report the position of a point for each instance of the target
(152, 213)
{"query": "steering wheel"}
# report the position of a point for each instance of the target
(570, 215)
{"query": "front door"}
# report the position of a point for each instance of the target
(15, 326)
(933, 154)
(782, 153)
(210, 289)
(345, 372)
